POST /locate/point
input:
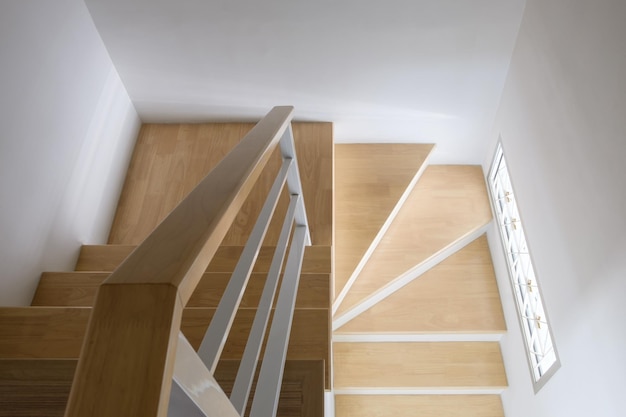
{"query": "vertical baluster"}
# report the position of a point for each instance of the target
(288, 149)
(245, 374)
(217, 333)
(265, 402)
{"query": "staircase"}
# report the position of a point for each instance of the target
(39, 345)
(37, 363)
(416, 317)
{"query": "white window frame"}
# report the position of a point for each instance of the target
(543, 358)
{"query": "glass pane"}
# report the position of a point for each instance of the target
(539, 344)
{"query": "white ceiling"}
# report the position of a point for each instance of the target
(394, 70)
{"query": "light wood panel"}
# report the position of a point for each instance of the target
(314, 148)
(68, 289)
(418, 365)
(418, 405)
(159, 153)
(460, 295)
(78, 289)
(42, 332)
(170, 160)
(40, 387)
(317, 259)
(369, 181)
(129, 342)
(58, 332)
(449, 202)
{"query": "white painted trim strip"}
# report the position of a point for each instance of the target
(381, 234)
(410, 275)
(423, 337)
(329, 404)
(421, 391)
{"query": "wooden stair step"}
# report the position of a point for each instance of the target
(418, 365)
(57, 332)
(40, 387)
(460, 295)
(418, 405)
(370, 180)
(317, 259)
(169, 160)
(448, 203)
(78, 289)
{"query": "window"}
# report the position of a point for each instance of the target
(542, 355)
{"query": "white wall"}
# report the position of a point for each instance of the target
(562, 119)
(394, 70)
(67, 128)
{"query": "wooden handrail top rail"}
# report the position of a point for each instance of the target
(180, 248)
(128, 354)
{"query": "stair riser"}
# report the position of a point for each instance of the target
(108, 257)
(78, 289)
(58, 332)
(40, 387)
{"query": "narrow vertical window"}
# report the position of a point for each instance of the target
(542, 355)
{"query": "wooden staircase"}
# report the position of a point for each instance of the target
(39, 345)
(417, 315)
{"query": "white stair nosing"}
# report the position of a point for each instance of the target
(410, 275)
(381, 233)
(329, 404)
(421, 337)
(421, 391)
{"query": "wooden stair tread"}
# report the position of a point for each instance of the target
(40, 387)
(108, 257)
(369, 181)
(460, 295)
(418, 365)
(448, 203)
(420, 405)
(79, 289)
(57, 332)
(170, 159)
